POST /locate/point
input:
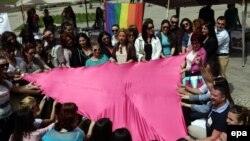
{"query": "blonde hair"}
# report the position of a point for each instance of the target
(28, 101)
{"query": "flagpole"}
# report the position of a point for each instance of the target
(22, 11)
(168, 9)
(86, 10)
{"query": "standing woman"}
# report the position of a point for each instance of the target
(210, 42)
(97, 58)
(132, 34)
(166, 39)
(104, 40)
(67, 42)
(187, 29)
(197, 29)
(148, 46)
(99, 19)
(82, 52)
(124, 52)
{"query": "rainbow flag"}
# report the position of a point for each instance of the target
(124, 14)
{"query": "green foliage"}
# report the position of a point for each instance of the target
(80, 18)
(8, 1)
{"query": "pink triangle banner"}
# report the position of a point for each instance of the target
(139, 96)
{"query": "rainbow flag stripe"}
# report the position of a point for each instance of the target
(124, 14)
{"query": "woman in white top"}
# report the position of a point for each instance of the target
(67, 42)
(124, 52)
(148, 46)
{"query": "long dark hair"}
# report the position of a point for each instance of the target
(102, 130)
(85, 37)
(121, 134)
(190, 24)
(211, 31)
(100, 38)
(169, 34)
(243, 114)
(23, 124)
(67, 117)
(144, 30)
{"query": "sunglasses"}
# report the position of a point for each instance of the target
(115, 30)
(151, 27)
(173, 22)
(165, 27)
(96, 50)
(2, 66)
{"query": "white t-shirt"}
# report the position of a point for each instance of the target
(5, 107)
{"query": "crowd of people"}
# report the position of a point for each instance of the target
(206, 44)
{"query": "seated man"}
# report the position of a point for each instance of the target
(215, 123)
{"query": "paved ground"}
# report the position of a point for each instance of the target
(236, 74)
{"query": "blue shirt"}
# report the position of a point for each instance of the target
(103, 58)
(166, 47)
(53, 135)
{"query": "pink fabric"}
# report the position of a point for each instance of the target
(203, 55)
(139, 96)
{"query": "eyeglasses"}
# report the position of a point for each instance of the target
(96, 50)
(151, 27)
(2, 66)
(114, 30)
(165, 27)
